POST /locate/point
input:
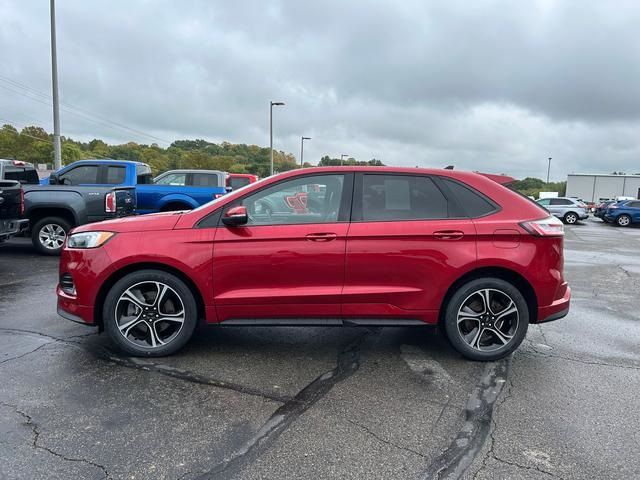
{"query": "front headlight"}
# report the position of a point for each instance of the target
(88, 239)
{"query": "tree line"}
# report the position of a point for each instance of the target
(34, 144)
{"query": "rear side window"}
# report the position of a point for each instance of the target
(204, 180)
(83, 174)
(116, 175)
(238, 182)
(401, 197)
(472, 202)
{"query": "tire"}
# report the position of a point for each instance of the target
(480, 342)
(623, 220)
(570, 218)
(48, 235)
(134, 322)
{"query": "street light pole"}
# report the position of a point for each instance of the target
(548, 170)
(271, 129)
(342, 158)
(302, 150)
(57, 154)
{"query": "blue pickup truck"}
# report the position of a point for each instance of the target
(151, 197)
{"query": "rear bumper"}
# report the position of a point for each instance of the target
(558, 309)
(584, 216)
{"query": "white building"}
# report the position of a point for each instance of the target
(596, 187)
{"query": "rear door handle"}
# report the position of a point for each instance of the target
(321, 237)
(448, 235)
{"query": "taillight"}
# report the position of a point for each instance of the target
(21, 207)
(110, 202)
(546, 227)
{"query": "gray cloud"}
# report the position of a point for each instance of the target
(487, 85)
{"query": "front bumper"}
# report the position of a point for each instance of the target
(69, 308)
(9, 228)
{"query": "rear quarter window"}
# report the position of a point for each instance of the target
(471, 201)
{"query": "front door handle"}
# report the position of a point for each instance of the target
(321, 237)
(448, 235)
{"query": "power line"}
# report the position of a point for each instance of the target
(41, 97)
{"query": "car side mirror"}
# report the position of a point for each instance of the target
(235, 216)
(54, 179)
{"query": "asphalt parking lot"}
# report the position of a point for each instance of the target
(280, 403)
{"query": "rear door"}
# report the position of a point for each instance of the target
(406, 243)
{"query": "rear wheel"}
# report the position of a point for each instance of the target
(486, 319)
(150, 313)
(48, 235)
(623, 220)
(570, 218)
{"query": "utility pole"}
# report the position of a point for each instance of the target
(57, 153)
(302, 149)
(548, 170)
(270, 128)
(342, 158)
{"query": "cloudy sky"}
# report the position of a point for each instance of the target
(482, 85)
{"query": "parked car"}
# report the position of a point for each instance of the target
(11, 206)
(569, 210)
(381, 246)
(601, 208)
(192, 178)
(623, 213)
(150, 197)
(239, 180)
(23, 172)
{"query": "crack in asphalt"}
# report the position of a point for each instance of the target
(348, 362)
(36, 436)
(186, 375)
(104, 354)
(458, 457)
(382, 440)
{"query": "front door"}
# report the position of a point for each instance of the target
(288, 260)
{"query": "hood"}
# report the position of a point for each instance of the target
(135, 223)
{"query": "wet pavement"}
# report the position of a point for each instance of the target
(280, 403)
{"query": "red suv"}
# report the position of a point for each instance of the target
(325, 246)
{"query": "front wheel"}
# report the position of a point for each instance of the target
(48, 235)
(486, 319)
(570, 218)
(623, 220)
(150, 313)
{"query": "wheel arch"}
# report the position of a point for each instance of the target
(506, 274)
(118, 274)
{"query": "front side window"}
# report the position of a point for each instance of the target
(561, 201)
(179, 179)
(401, 197)
(314, 199)
(81, 175)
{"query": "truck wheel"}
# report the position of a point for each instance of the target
(150, 313)
(48, 235)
